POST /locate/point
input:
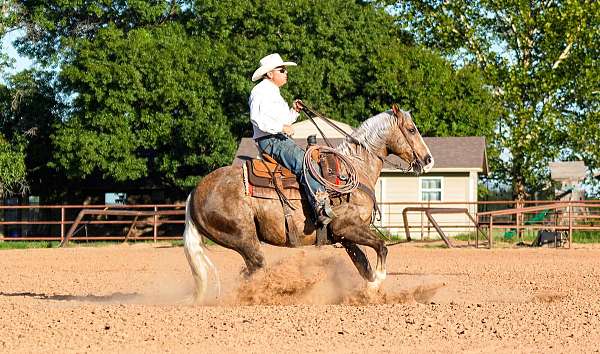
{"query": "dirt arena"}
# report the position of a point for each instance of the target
(136, 298)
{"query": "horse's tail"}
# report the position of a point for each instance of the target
(196, 256)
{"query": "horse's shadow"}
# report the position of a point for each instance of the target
(112, 298)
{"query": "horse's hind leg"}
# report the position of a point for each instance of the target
(253, 257)
(239, 235)
(248, 247)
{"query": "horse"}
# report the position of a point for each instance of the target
(219, 209)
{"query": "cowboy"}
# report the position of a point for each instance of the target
(272, 118)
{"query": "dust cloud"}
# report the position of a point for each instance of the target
(310, 278)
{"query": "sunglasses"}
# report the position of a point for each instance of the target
(282, 70)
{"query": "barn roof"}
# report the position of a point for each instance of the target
(451, 154)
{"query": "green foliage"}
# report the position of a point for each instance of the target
(353, 62)
(12, 169)
(144, 107)
(156, 92)
(29, 113)
(12, 155)
(541, 59)
(445, 101)
(8, 16)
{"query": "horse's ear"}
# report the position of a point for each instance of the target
(395, 109)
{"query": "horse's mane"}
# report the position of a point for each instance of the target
(371, 134)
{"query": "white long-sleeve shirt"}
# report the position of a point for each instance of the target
(268, 110)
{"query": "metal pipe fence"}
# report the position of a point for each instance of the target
(154, 222)
(97, 223)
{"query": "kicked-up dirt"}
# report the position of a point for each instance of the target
(137, 298)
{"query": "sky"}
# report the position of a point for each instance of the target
(20, 62)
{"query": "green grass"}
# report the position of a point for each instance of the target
(16, 245)
(498, 237)
(586, 236)
(529, 236)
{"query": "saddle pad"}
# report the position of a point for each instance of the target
(267, 192)
(271, 193)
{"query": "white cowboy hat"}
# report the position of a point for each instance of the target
(269, 63)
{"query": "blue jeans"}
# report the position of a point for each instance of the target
(285, 151)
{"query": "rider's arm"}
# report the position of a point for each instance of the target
(271, 114)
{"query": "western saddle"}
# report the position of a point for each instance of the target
(267, 173)
(267, 179)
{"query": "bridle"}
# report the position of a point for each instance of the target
(412, 165)
(415, 162)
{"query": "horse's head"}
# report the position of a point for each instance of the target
(406, 142)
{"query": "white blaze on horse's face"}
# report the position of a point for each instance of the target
(409, 144)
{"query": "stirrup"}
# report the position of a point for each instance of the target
(328, 211)
(323, 207)
(323, 220)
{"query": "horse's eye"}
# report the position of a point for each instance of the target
(412, 130)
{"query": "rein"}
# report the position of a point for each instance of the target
(311, 113)
(354, 182)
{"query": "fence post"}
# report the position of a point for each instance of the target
(570, 225)
(155, 223)
(62, 224)
(491, 237)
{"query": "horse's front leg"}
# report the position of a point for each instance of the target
(380, 269)
(360, 234)
(359, 259)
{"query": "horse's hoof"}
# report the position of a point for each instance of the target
(374, 285)
(380, 275)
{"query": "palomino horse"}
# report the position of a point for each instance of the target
(220, 210)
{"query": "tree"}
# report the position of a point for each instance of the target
(354, 61)
(30, 116)
(157, 91)
(7, 21)
(144, 108)
(13, 171)
(12, 157)
(541, 59)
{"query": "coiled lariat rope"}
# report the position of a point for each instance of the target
(351, 182)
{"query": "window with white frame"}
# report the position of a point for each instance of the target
(431, 189)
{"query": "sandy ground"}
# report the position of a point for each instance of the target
(136, 298)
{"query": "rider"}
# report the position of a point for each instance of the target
(272, 118)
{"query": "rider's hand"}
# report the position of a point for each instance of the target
(288, 130)
(297, 105)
